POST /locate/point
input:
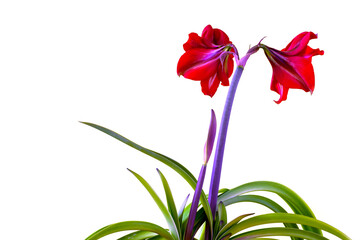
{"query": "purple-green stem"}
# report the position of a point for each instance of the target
(220, 147)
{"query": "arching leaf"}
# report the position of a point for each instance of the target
(130, 225)
(180, 169)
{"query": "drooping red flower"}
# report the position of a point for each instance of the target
(292, 67)
(208, 58)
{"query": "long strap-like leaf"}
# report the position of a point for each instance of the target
(186, 174)
(130, 225)
(266, 232)
(286, 218)
(296, 203)
(170, 201)
(262, 201)
(221, 234)
(181, 210)
(138, 235)
(171, 223)
(270, 204)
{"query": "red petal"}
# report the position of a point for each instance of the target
(202, 71)
(210, 85)
(225, 70)
(282, 91)
(296, 40)
(301, 75)
(208, 36)
(292, 71)
(193, 57)
(194, 41)
(220, 38)
(299, 44)
(282, 76)
(309, 52)
(282, 80)
(197, 59)
(305, 70)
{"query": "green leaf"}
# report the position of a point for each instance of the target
(221, 218)
(180, 169)
(203, 231)
(222, 215)
(170, 202)
(200, 219)
(158, 237)
(182, 208)
(265, 232)
(224, 231)
(255, 199)
(186, 212)
(262, 201)
(226, 237)
(166, 213)
(287, 218)
(260, 238)
(130, 225)
(223, 190)
(296, 203)
(138, 235)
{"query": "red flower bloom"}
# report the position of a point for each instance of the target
(208, 59)
(292, 66)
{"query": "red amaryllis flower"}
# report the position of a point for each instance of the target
(207, 59)
(292, 66)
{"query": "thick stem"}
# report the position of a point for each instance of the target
(220, 147)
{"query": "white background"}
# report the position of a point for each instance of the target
(114, 63)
